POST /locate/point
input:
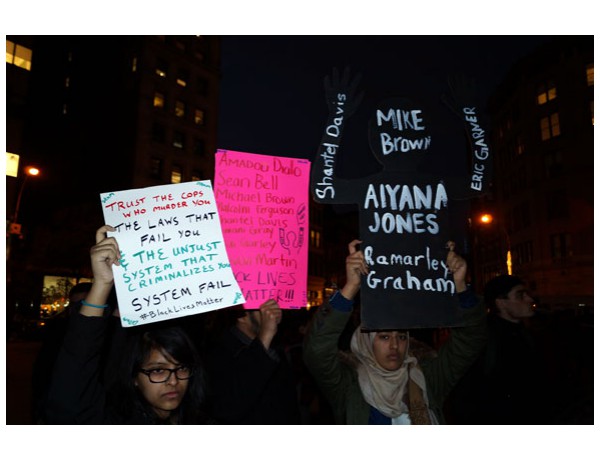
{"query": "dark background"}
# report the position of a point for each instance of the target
(272, 99)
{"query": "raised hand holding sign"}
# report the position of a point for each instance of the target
(403, 212)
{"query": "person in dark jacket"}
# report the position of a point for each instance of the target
(383, 380)
(54, 333)
(509, 384)
(159, 378)
(250, 379)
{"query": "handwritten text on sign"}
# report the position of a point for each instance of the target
(263, 204)
(173, 257)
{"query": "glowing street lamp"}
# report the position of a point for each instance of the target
(30, 171)
(487, 219)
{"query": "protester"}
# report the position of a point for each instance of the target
(508, 384)
(160, 378)
(251, 380)
(384, 380)
(53, 335)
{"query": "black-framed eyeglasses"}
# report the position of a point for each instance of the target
(160, 375)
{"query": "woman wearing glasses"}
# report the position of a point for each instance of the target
(158, 378)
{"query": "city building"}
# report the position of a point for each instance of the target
(542, 118)
(97, 114)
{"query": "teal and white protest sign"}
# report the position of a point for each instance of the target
(173, 258)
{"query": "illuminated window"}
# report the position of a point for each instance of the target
(134, 64)
(18, 55)
(176, 175)
(12, 164)
(546, 92)
(315, 238)
(589, 71)
(161, 68)
(182, 78)
(199, 117)
(592, 110)
(55, 294)
(179, 109)
(159, 100)
(196, 176)
(550, 126)
(178, 139)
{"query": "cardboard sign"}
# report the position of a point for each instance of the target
(174, 262)
(403, 226)
(404, 212)
(263, 204)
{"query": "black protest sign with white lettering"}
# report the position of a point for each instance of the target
(404, 212)
(403, 226)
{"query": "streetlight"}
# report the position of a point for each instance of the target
(488, 219)
(30, 171)
(14, 228)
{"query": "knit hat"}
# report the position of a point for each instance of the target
(499, 287)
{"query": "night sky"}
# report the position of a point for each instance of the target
(272, 99)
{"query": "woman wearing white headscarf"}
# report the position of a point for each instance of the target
(385, 380)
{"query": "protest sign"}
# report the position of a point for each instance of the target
(263, 205)
(404, 210)
(173, 257)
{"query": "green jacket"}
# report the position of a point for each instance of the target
(338, 379)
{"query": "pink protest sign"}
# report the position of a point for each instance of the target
(263, 207)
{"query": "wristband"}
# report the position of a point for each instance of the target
(87, 304)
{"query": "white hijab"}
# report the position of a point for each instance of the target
(383, 389)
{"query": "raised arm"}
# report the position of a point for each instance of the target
(463, 99)
(103, 256)
(342, 102)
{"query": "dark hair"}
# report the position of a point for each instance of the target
(127, 401)
(499, 287)
(80, 288)
(219, 321)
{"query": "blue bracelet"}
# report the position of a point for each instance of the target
(87, 304)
